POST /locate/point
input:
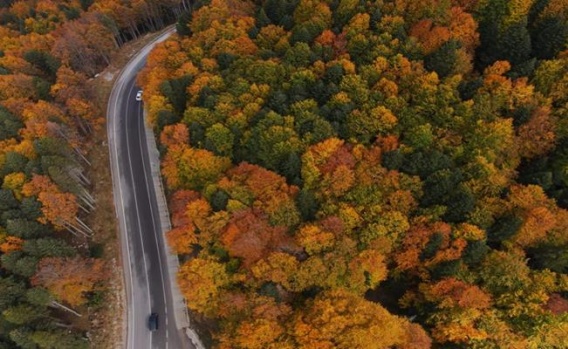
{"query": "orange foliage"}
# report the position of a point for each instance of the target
(178, 204)
(181, 239)
(416, 338)
(367, 270)
(429, 35)
(326, 38)
(58, 208)
(69, 84)
(408, 258)
(259, 334)
(539, 214)
(69, 279)
(16, 86)
(174, 136)
(463, 27)
(250, 237)
(265, 190)
(11, 243)
(451, 292)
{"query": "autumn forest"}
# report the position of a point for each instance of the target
(340, 173)
(368, 174)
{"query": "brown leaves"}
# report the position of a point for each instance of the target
(175, 136)
(557, 304)
(537, 136)
(455, 293)
(250, 237)
(429, 35)
(427, 244)
(69, 279)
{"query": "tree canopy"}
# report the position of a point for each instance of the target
(337, 168)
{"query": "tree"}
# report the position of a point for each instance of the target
(59, 339)
(314, 240)
(181, 239)
(24, 314)
(11, 290)
(13, 163)
(43, 61)
(317, 152)
(250, 237)
(443, 60)
(278, 268)
(338, 319)
(7, 200)
(22, 337)
(48, 247)
(536, 136)
(10, 124)
(192, 168)
(201, 282)
(176, 92)
(11, 243)
(18, 263)
(220, 140)
(58, 208)
(69, 279)
(548, 35)
(182, 25)
(26, 229)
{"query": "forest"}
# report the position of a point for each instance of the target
(368, 174)
(52, 275)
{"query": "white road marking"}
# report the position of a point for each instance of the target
(137, 208)
(140, 120)
(120, 87)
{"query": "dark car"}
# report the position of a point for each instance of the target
(153, 322)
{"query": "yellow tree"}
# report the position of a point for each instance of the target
(201, 282)
(15, 181)
(339, 319)
(279, 268)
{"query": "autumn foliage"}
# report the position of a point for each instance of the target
(334, 163)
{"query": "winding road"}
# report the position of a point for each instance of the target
(149, 287)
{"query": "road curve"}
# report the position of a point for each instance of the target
(144, 256)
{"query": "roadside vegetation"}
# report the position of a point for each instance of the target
(368, 174)
(58, 261)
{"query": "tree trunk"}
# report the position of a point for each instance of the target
(56, 304)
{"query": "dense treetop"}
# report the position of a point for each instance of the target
(368, 174)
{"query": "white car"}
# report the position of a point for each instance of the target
(139, 96)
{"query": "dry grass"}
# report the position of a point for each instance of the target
(106, 322)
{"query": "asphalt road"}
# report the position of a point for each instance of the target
(144, 256)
